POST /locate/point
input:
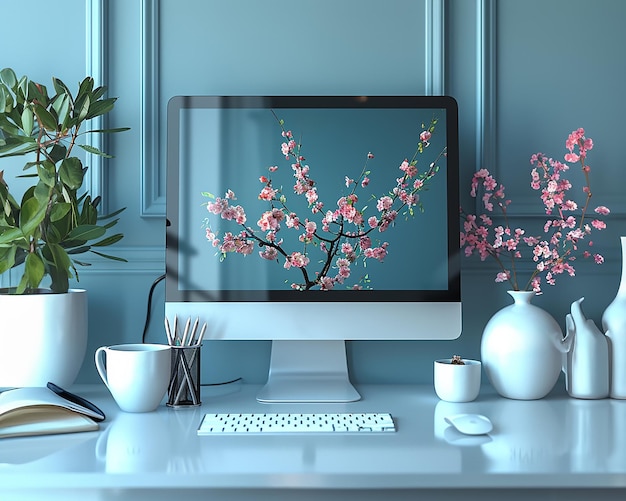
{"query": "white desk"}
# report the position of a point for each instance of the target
(555, 443)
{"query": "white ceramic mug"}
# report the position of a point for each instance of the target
(137, 375)
(457, 383)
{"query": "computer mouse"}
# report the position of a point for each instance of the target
(470, 424)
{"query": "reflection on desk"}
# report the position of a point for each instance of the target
(556, 442)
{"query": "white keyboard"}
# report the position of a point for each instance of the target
(261, 423)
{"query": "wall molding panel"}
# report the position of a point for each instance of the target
(486, 105)
(96, 66)
(152, 195)
(435, 54)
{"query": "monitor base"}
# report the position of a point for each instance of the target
(308, 371)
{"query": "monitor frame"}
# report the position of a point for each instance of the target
(296, 372)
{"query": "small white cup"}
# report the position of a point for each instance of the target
(137, 375)
(455, 382)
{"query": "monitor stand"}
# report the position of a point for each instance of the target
(308, 371)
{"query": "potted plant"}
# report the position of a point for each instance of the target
(54, 221)
(457, 379)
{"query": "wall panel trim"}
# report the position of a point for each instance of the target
(486, 87)
(152, 196)
(435, 62)
(96, 67)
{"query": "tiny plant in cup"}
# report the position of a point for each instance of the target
(456, 360)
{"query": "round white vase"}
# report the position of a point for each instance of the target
(43, 337)
(614, 325)
(520, 349)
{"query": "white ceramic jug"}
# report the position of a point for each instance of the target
(614, 325)
(586, 363)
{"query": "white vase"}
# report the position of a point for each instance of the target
(43, 337)
(586, 365)
(614, 325)
(521, 349)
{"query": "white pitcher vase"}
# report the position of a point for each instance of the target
(522, 348)
(614, 325)
(586, 365)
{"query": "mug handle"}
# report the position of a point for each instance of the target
(100, 365)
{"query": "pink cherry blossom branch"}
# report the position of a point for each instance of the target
(554, 253)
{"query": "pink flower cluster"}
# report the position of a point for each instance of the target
(564, 232)
(343, 234)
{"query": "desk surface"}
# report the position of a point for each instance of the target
(557, 442)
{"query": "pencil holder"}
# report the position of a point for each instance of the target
(184, 387)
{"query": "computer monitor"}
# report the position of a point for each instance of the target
(379, 260)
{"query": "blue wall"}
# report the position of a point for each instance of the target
(524, 73)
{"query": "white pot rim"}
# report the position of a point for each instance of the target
(447, 361)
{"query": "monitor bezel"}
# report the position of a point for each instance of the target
(177, 103)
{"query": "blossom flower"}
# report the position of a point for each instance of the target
(296, 259)
(267, 193)
(384, 203)
(555, 252)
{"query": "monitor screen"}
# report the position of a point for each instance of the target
(312, 220)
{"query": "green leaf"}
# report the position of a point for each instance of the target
(8, 126)
(110, 224)
(112, 214)
(47, 173)
(22, 285)
(45, 117)
(34, 270)
(42, 192)
(7, 258)
(61, 88)
(61, 105)
(59, 267)
(27, 121)
(86, 86)
(78, 250)
(113, 258)
(98, 93)
(57, 153)
(89, 213)
(108, 131)
(59, 211)
(17, 146)
(11, 235)
(33, 213)
(38, 92)
(94, 150)
(71, 173)
(86, 232)
(22, 89)
(109, 240)
(4, 97)
(101, 107)
(7, 75)
(56, 231)
(83, 108)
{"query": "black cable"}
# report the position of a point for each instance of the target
(222, 383)
(149, 307)
(147, 324)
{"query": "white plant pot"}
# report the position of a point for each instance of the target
(457, 383)
(43, 337)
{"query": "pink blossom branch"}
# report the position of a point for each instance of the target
(555, 252)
